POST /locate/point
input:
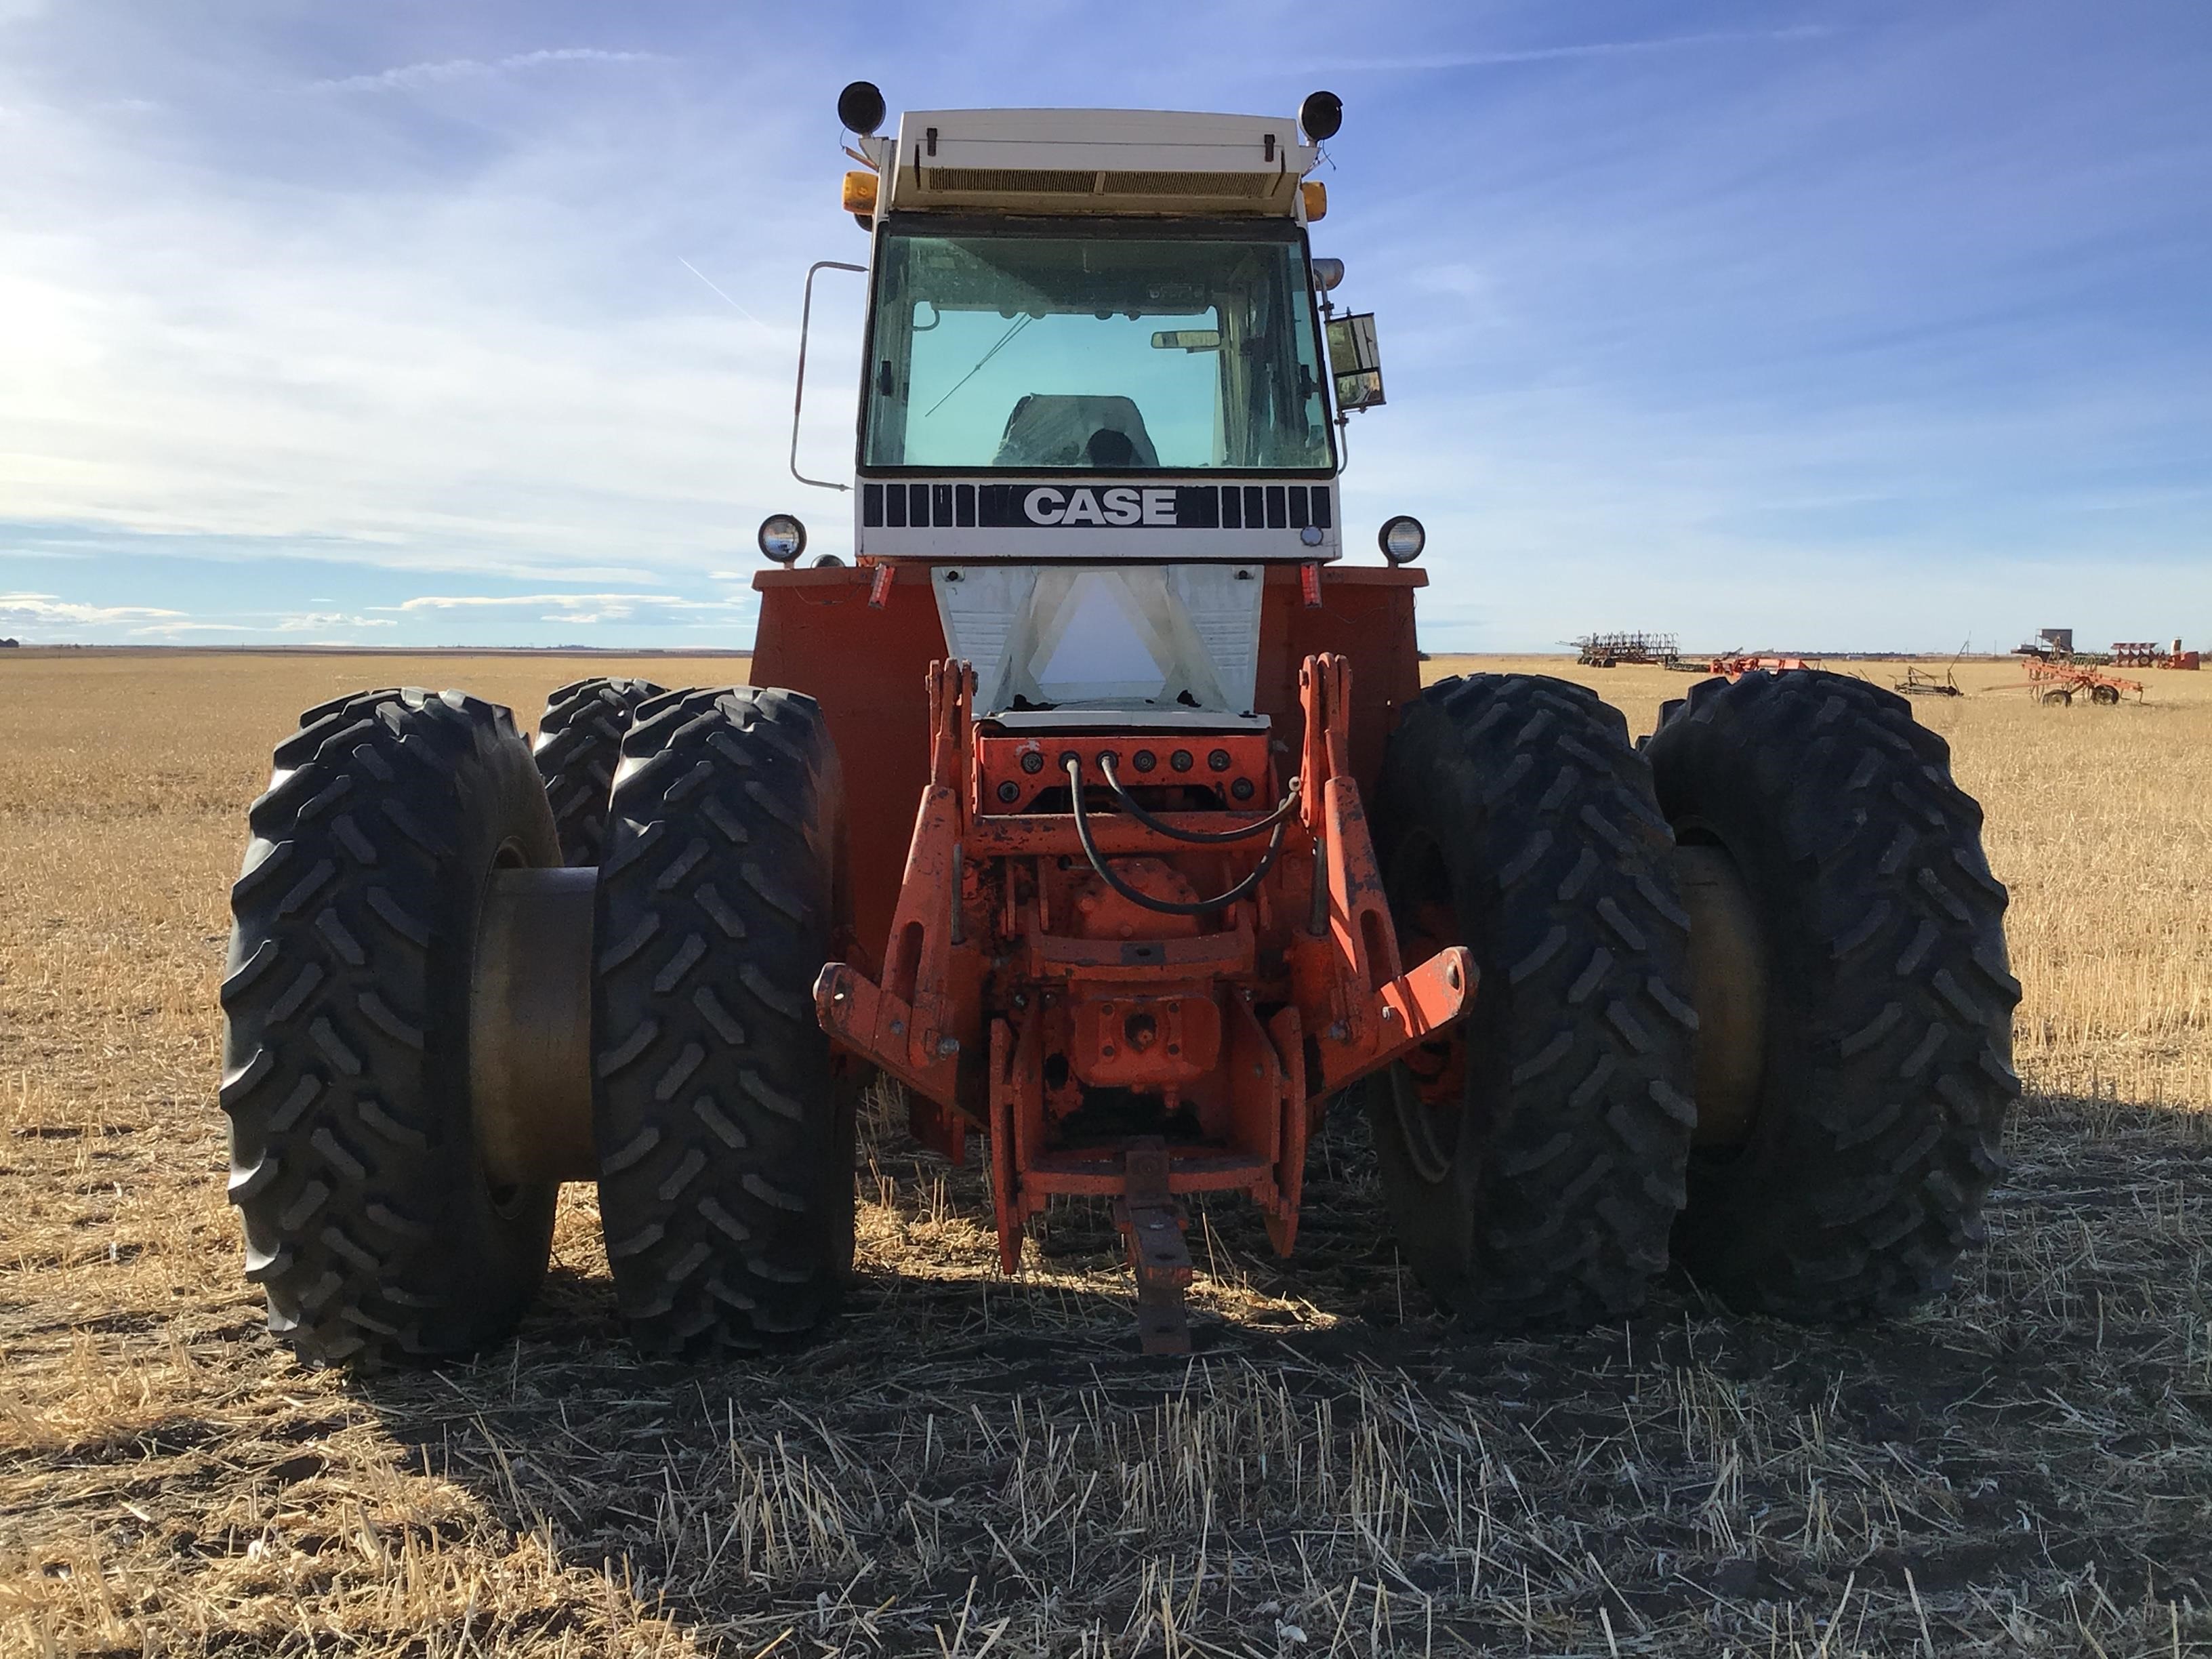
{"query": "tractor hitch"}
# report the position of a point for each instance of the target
(1153, 1227)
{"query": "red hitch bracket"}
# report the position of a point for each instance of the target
(1153, 1224)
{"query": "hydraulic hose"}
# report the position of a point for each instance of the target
(1203, 837)
(1244, 889)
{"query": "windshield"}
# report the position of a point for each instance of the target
(1082, 349)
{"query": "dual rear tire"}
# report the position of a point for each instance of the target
(376, 1223)
(1544, 1164)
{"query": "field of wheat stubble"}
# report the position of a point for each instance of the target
(971, 1464)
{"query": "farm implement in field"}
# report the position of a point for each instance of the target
(1734, 664)
(1635, 650)
(1098, 803)
(2149, 653)
(1735, 667)
(1919, 683)
(2054, 680)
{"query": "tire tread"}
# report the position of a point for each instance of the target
(332, 1011)
(1551, 812)
(724, 1129)
(1856, 1200)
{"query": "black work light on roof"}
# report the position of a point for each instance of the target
(1321, 115)
(861, 107)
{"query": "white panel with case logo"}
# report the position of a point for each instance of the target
(1077, 517)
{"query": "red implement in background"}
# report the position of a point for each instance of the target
(2149, 653)
(2056, 682)
(1735, 668)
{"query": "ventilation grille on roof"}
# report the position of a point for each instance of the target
(1026, 181)
(1042, 181)
(1187, 184)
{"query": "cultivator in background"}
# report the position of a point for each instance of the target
(2058, 683)
(1100, 804)
(1635, 650)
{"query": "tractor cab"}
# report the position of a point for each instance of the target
(1097, 404)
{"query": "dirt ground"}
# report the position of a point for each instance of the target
(970, 1464)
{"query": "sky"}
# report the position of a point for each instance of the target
(1841, 326)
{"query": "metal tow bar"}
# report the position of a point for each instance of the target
(1152, 1223)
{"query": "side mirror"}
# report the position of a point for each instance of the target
(1354, 363)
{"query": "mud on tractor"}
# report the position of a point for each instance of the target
(1099, 803)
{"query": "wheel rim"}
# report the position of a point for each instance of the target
(1728, 986)
(1428, 1087)
(508, 1199)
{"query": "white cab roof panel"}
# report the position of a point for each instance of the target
(1095, 161)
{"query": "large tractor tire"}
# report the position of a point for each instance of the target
(579, 739)
(1532, 1163)
(1850, 1172)
(371, 1222)
(723, 1126)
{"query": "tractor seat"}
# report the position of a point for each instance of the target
(1060, 429)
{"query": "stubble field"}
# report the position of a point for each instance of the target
(970, 1464)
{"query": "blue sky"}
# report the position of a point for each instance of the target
(1845, 325)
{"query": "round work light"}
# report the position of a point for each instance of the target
(1321, 115)
(861, 107)
(1402, 538)
(782, 538)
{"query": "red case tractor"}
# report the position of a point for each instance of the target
(1099, 804)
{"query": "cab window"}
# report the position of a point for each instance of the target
(1046, 351)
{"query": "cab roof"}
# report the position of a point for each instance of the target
(1063, 161)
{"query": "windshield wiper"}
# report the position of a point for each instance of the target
(1020, 323)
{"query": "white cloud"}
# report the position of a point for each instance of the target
(589, 608)
(304, 620)
(409, 76)
(45, 609)
(1571, 50)
(170, 631)
(490, 601)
